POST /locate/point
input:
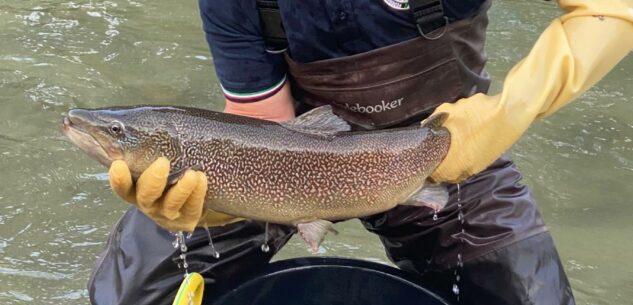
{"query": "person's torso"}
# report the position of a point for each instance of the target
(325, 29)
(375, 65)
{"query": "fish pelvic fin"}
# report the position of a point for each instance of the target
(435, 121)
(320, 121)
(314, 232)
(434, 196)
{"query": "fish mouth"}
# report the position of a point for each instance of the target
(87, 142)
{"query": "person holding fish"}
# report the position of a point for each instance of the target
(381, 66)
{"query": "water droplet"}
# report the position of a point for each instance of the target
(180, 242)
(189, 235)
(207, 230)
(266, 234)
(458, 193)
(183, 258)
(434, 216)
(460, 263)
(214, 252)
(265, 248)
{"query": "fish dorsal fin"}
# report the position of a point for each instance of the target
(435, 121)
(320, 121)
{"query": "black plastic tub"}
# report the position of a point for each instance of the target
(326, 281)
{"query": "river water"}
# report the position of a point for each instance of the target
(56, 209)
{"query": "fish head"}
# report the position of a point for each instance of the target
(137, 136)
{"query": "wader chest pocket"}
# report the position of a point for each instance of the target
(386, 94)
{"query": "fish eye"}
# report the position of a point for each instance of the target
(116, 128)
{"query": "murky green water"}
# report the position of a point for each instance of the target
(56, 209)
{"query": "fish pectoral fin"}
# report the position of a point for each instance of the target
(434, 196)
(177, 173)
(320, 121)
(314, 232)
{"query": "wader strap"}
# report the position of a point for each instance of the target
(429, 16)
(272, 27)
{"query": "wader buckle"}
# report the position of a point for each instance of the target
(429, 16)
(434, 37)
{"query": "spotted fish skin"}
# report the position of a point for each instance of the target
(267, 171)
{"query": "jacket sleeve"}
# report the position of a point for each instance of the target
(570, 56)
(247, 73)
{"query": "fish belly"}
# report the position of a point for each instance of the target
(305, 205)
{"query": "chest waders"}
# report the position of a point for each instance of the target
(493, 237)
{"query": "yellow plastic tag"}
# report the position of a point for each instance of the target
(190, 291)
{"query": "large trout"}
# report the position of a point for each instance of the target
(306, 172)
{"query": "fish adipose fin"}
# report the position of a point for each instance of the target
(320, 121)
(314, 232)
(434, 196)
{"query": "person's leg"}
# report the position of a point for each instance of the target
(139, 264)
(526, 272)
(501, 253)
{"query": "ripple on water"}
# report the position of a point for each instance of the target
(37, 274)
(72, 295)
(12, 294)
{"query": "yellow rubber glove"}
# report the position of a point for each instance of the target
(571, 55)
(180, 208)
